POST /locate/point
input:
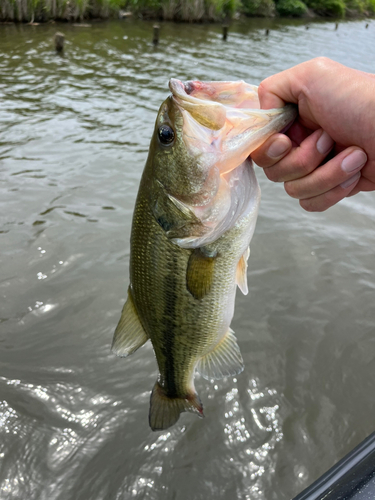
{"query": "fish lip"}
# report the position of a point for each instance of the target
(177, 87)
(181, 93)
(208, 113)
(174, 85)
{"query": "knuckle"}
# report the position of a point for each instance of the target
(313, 206)
(259, 158)
(262, 89)
(272, 174)
(322, 202)
(322, 62)
(304, 165)
(290, 189)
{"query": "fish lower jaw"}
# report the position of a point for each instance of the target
(243, 205)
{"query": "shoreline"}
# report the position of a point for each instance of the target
(79, 13)
(83, 23)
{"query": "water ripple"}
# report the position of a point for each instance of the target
(75, 133)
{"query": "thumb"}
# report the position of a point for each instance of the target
(275, 91)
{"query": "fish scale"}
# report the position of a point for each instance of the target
(161, 306)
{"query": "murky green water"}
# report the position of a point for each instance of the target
(73, 418)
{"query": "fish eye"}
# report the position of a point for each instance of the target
(166, 135)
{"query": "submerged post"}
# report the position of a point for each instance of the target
(59, 39)
(225, 31)
(155, 40)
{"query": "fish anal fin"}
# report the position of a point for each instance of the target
(129, 334)
(199, 273)
(165, 411)
(223, 361)
(241, 272)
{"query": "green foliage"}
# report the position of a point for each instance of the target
(327, 7)
(104, 8)
(110, 4)
(370, 6)
(143, 4)
(261, 8)
(358, 5)
(361, 6)
(291, 8)
(187, 10)
(215, 10)
(230, 7)
(43, 10)
(179, 10)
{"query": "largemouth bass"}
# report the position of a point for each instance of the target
(194, 218)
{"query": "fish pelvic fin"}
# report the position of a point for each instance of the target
(241, 272)
(165, 411)
(224, 360)
(129, 334)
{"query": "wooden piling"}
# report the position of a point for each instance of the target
(225, 32)
(59, 39)
(155, 39)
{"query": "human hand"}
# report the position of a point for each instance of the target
(329, 152)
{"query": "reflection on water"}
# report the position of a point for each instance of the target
(73, 418)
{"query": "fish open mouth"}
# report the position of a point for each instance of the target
(225, 119)
(222, 124)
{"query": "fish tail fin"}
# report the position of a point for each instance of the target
(165, 411)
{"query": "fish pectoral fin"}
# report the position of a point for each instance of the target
(241, 272)
(199, 273)
(224, 361)
(165, 411)
(129, 334)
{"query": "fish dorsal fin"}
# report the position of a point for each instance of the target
(165, 411)
(224, 361)
(241, 272)
(129, 334)
(199, 273)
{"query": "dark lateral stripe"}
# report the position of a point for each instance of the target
(170, 301)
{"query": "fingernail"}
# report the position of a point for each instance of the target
(354, 161)
(324, 143)
(277, 148)
(351, 181)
